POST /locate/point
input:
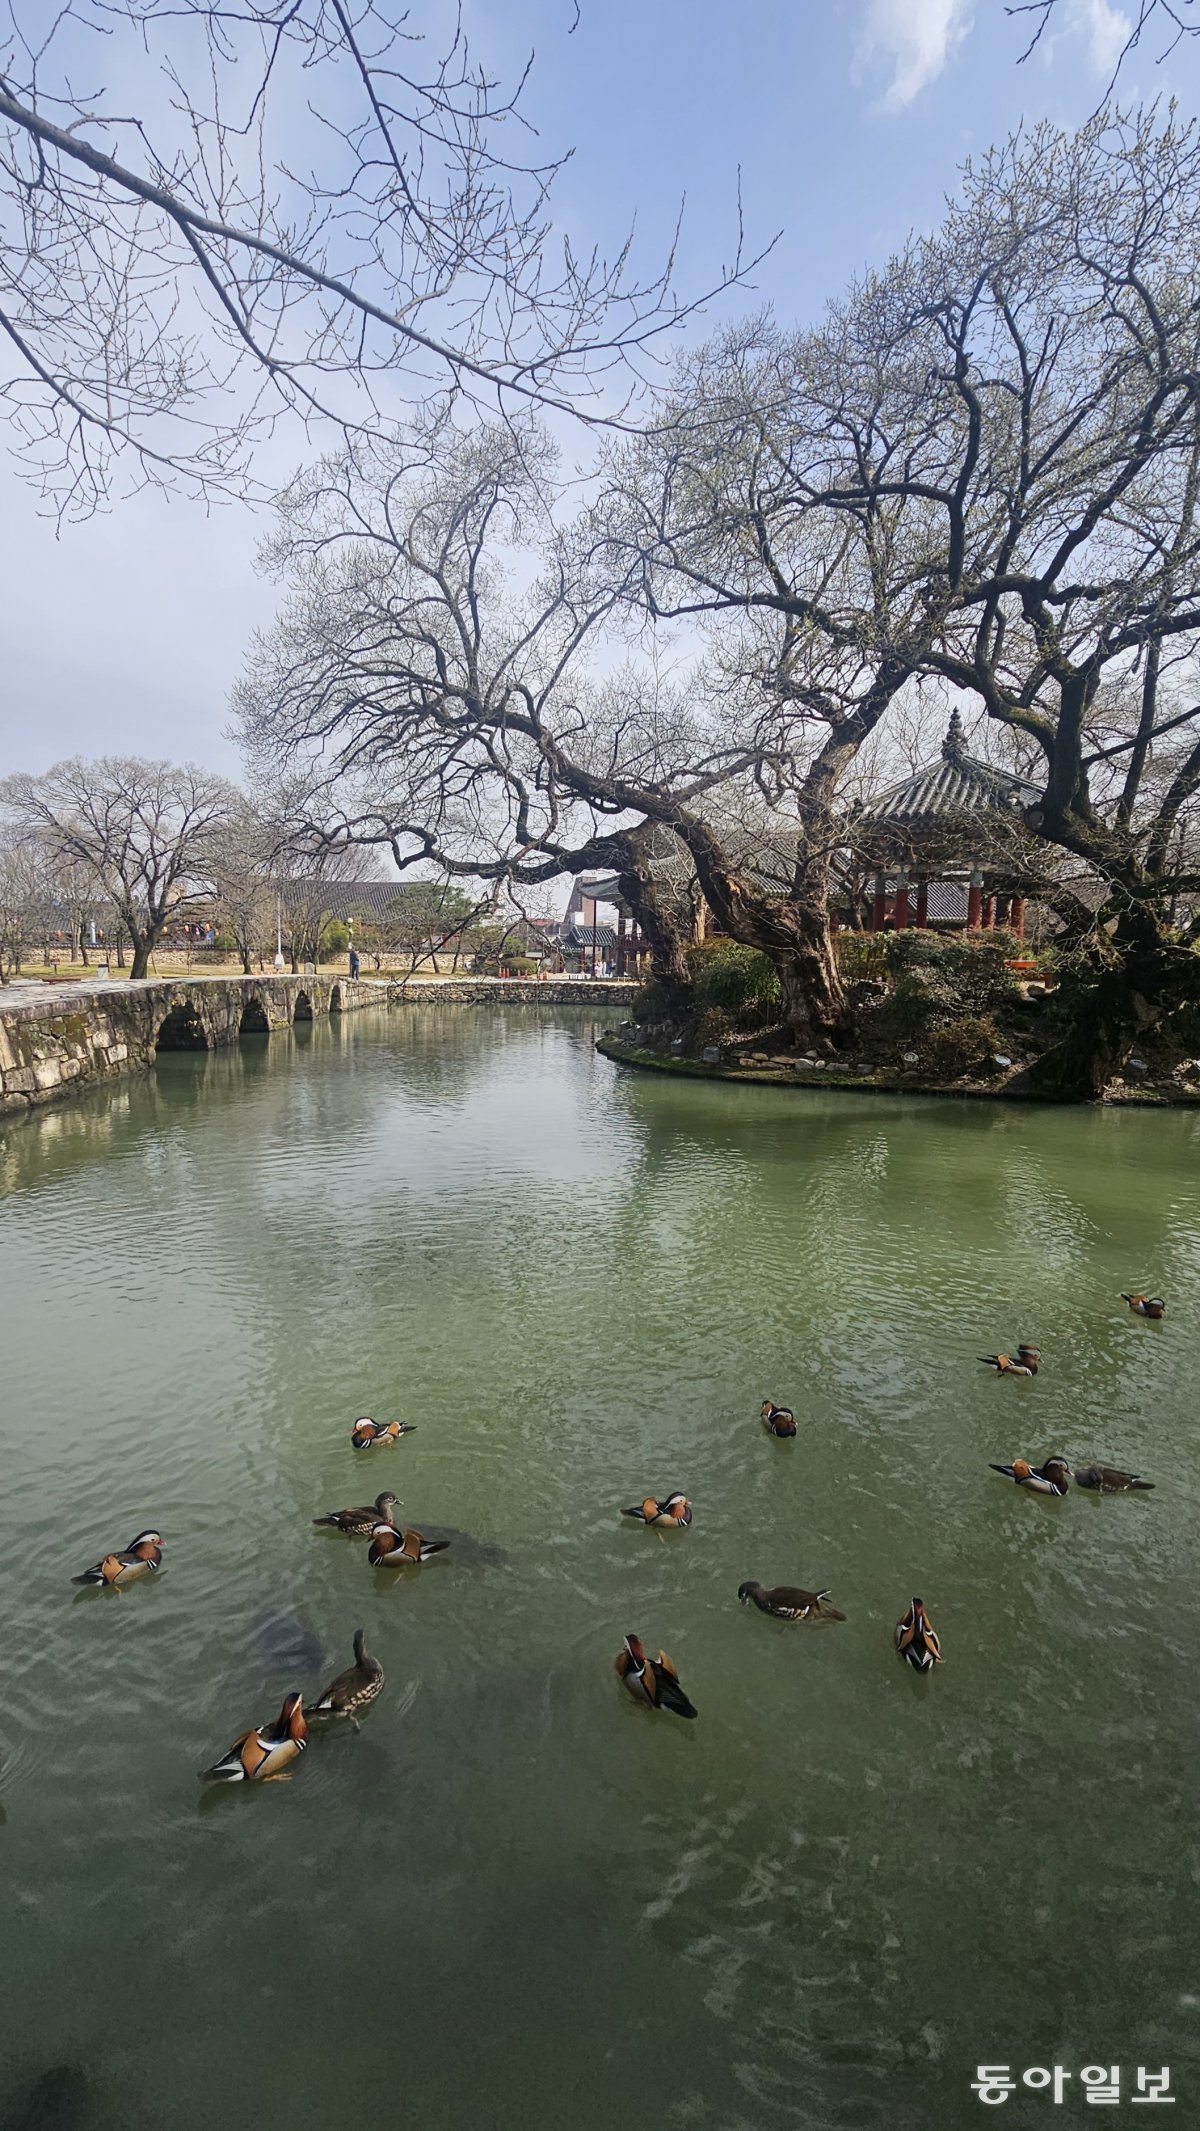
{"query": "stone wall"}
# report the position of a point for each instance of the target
(512, 991)
(76, 1035)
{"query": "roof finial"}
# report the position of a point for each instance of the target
(954, 747)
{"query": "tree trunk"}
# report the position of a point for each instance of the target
(247, 963)
(810, 982)
(793, 932)
(658, 925)
(1114, 1004)
(140, 965)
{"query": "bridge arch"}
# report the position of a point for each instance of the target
(181, 1029)
(302, 1011)
(254, 1020)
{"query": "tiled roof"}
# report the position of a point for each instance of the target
(953, 789)
(577, 935)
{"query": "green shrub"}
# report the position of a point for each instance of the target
(225, 944)
(739, 981)
(861, 956)
(969, 968)
(959, 1045)
(335, 939)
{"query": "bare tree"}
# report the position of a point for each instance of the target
(306, 209)
(143, 830)
(436, 709)
(25, 900)
(724, 516)
(240, 857)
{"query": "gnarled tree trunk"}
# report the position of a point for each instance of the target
(657, 922)
(1146, 976)
(793, 932)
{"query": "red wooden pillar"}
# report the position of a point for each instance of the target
(900, 913)
(1017, 920)
(879, 906)
(975, 902)
(1002, 904)
(989, 912)
(922, 901)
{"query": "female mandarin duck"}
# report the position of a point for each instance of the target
(1110, 1480)
(353, 1689)
(653, 1680)
(365, 1431)
(259, 1755)
(784, 1601)
(779, 1420)
(1146, 1305)
(1023, 1363)
(1052, 1478)
(141, 1557)
(916, 1639)
(360, 1523)
(398, 1550)
(674, 1511)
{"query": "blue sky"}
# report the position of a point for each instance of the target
(847, 120)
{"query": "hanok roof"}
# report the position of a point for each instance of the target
(578, 935)
(952, 792)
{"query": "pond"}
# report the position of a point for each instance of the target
(514, 1898)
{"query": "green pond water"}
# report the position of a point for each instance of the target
(515, 1899)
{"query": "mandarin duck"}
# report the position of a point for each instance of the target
(674, 1511)
(653, 1680)
(365, 1431)
(784, 1601)
(391, 1549)
(1146, 1305)
(360, 1523)
(1052, 1478)
(353, 1689)
(259, 1755)
(1110, 1480)
(141, 1557)
(916, 1639)
(1023, 1363)
(779, 1420)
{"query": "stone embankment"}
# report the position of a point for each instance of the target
(65, 1037)
(511, 991)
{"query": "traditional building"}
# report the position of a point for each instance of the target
(946, 845)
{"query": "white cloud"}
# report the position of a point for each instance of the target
(1107, 30)
(914, 40)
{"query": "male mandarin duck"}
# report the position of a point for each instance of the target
(259, 1755)
(365, 1431)
(780, 1420)
(675, 1511)
(1110, 1480)
(353, 1689)
(398, 1550)
(141, 1557)
(1146, 1305)
(653, 1680)
(1052, 1478)
(916, 1639)
(1023, 1363)
(784, 1601)
(360, 1523)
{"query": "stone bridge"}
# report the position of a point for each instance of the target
(67, 1036)
(74, 1035)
